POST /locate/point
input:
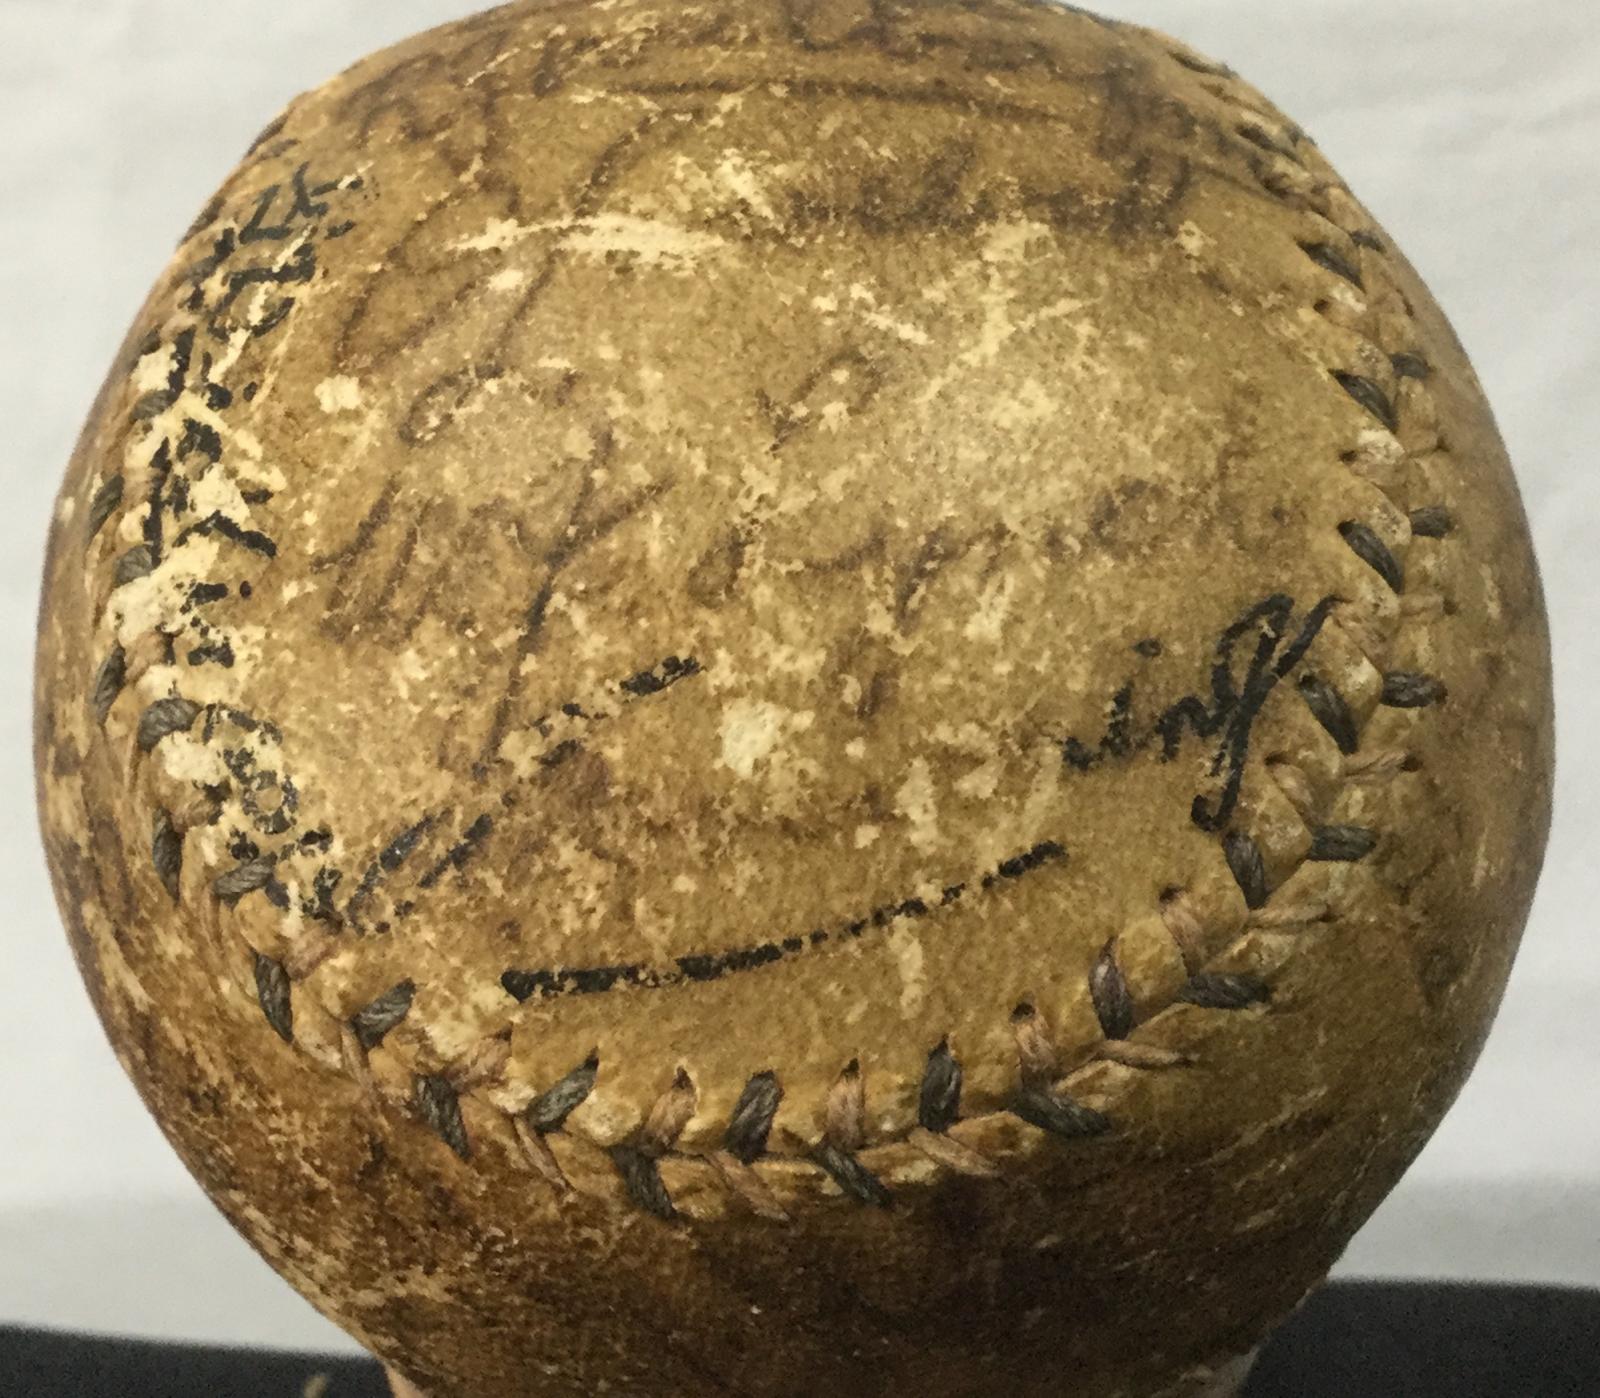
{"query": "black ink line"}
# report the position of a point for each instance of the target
(700, 967)
(1228, 713)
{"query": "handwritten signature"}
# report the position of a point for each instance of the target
(1226, 714)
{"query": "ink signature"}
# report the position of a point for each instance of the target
(1227, 713)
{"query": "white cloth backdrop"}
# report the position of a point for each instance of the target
(1471, 130)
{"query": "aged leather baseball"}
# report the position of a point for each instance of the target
(792, 698)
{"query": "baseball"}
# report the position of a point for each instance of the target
(793, 697)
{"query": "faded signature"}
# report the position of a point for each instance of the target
(1243, 676)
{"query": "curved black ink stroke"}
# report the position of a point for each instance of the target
(1228, 713)
(710, 966)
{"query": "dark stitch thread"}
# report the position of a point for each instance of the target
(138, 562)
(1370, 396)
(939, 1102)
(1409, 365)
(164, 718)
(751, 1122)
(1202, 66)
(1036, 1055)
(203, 220)
(272, 990)
(1405, 690)
(244, 878)
(1263, 139)
(166, 852)
(155, 403)
(109, 680)
(844, 1133)
(440, 1106)
(1248, 867)
(1376, 554)
(641, 1177)
(852, 1176)
(1059, 1114)
(1342, 844)
(549, 1111)
(1432, 522)
(1330, 710)
(377, 1019)
(104, 505)
(268, 133)
(637, 1159)
(1108, 988)
(1216, 991)
(1327, 256)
